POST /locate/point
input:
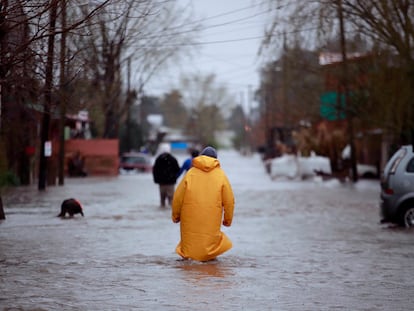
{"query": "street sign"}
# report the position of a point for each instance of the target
(332, 108)
(48, 148)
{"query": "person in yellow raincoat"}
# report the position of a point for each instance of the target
(203, 201)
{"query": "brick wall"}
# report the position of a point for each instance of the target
(100, 155)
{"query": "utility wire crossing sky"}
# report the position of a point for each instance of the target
(227, 46)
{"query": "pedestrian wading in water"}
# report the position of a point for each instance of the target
(202, 202)
(188, 162)
(165, 171)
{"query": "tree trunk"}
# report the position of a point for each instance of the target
(63, 99)
(48, 98)
(2, 215)
(349, 111)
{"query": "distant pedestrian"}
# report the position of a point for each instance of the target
(202, 202)
(165, 172)
(76, 165)
(188, 162)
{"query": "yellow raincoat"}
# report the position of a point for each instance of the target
(202, 201)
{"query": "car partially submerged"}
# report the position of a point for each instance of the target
(135, 161)
(397, 188)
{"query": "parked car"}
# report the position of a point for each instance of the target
(135, 161)
(367, 171)
(397, 188)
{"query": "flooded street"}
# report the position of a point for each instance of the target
(297, 245)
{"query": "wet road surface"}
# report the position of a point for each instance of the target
(297, 245)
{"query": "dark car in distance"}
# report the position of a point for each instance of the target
(135, 161)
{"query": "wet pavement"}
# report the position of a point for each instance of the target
(297, 245)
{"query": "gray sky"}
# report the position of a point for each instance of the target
(229, 44)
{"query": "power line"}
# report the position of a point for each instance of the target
(230, 40)
(224, 14)
(204, 28)
(198, 22)
(214, 25)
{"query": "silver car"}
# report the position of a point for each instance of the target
(397, 188)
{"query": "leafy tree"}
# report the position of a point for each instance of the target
(173, 109)
(133, 140)
(208, 103)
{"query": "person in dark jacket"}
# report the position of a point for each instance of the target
(165, 172)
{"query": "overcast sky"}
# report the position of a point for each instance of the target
(230, 41)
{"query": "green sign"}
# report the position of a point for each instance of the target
(332, 108)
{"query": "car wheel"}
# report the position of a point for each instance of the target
(408, 217)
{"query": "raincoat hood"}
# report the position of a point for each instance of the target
(209, 151)
(205, 163)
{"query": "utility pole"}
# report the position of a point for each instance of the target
(2, 75)
(345, 84)
(128, 106)
(63, 97)
(249, 118)
(284, 85)
(44, 135)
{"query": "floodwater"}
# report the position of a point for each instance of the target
(298, 245)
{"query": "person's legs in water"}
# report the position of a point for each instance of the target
(170, 193)
(163, 195)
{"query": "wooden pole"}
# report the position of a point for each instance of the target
(345, 84)
(63, 97)
(44, 136)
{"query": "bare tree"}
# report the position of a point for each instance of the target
(209, 104)
(389, 26)
(44, 134)
(28, 32)
(49, 82)
(135, 32)
(388, 22)
(386, 26)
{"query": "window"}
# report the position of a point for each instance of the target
(410, 166)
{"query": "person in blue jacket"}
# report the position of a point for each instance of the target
(188, 162)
